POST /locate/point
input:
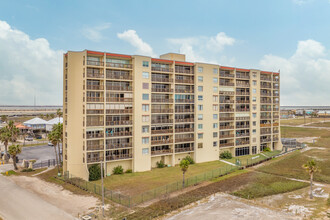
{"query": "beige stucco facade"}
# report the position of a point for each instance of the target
(135, 111)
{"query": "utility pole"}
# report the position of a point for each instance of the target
(102, 189)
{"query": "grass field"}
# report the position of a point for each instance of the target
(297, 132)
(248, 159)
(320, 124)
(300, 120)
(135, 183)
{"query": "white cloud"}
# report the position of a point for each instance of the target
(28, 67)
(133, 38)
(198, 48)
(305, 76)
(95, 33)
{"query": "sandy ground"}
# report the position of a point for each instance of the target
(56, 195)
(224, 206)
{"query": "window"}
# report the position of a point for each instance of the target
(215, 98)
(254, 123)
(215, 116)
(254, 91)
(254, 107)
(145, 140)
(215, 134)
(200, 126)
(145, 108)
(200, 117)
(200, 88)
(254, 149)
(145, 118)
(145, 150)
(145, 129)
(254, 131)
(215, 107)
(200, 69)
(215, 70)
(254, 115)
(254, 99)
(215, 125)
(200, 79)
(254, 82)
(145, 96)
(145, 63)
(200, 107)
(145, 85)
(215, 89)
(145, 75)
(200, 98)
(242, 151)
(200, 145)
(200, 136)
(215, 79)
(254, 75)
(215, 143)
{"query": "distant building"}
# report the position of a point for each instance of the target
(37, 124)
(52, 122)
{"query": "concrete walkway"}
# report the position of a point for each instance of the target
(228, 163)
(18, 203)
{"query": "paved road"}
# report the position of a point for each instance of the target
(38, 153)
(18, 203)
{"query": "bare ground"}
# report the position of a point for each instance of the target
(56, 195)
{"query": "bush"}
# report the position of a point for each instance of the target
(190, 160)
(94, 172)
(267, 149)
(160, 164)
(129, 171)
(226, 155)
(328, 201)
(27, 170)
(118, 170)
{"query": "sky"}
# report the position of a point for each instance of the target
(292, 36)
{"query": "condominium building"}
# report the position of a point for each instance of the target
(135, 110)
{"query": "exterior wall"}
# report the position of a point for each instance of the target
(179, 157)
(173, 56)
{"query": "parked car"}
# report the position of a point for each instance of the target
(29, 138)
(38, 137)
(50, 144)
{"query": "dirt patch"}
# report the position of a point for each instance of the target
(307, 139)
(56, 195)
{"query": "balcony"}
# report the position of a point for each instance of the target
(180, 110)
(119, 65)
(184, 100)
(227, 75)
(94, 63)
(226, 101)
(92, 74)
(226, 110)
(162, 141)
(161, 69)
(226, 136)
(118, 75)
(119, 134)
(166, 90)
(276, 102)
(239, 143)
(227, 84)
(265, 125)
(94, 135)
(117, 99)
(265, 140)
(184, 90)
(228, 93)
(275, 139)
(161, 110)
(179, 140)
(243, 135)
(186, 81)
(243, 101)
(94, 159)
(242, 126)
(242, 109)
(226, 145)
(242, 118)
(112, 123)
(275, 94)
(160, 152)
(226, 127)
(266, 101)
(119, 111)
(242, 93)
(95, 99)
(265, 109)
(275, 87)
(182, 130)
(162, 131)
(183, 120)
(94, 111)
(242, 76)
(226, 119)
(265, 86)
(184, 149)
(265, 117)
(161, 121)
(265, 132)
(184, 70)
(275, 131)
(265, 94)
(95, 87)
(119, 145)
(95, 147)
(94, 123)
(241, 84)
(161, 100)
(275, 124)
(161, 79)
(119, 157)
(265, 78)
(119, 88)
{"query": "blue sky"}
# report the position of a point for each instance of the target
(291, 35)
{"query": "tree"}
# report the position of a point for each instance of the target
(184, 165)
(56, 137)
(52, 138)
(311, 168)
(59, 114)
(13, 130)
(5, 138)
(14, 150)
(4, 118)
(47, 116)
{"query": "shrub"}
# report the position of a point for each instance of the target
(190, 160)
(226, 155)
(328, 201)
(27, 170)
(94, 172)
(128, 171)
(266, 149)
(160, 164)
(118, 170)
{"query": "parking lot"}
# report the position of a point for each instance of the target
(38, 153)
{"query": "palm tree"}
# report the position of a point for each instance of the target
(59, 114)
(13, 151)
(52, 138)
(47, 116)
(311, 168)
(13, 130)
(5, 138)
(58, 130)
(184, 165)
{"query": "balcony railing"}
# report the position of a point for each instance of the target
(94, 63)
(161, 90)
(265, 132)
(95, 123)
(265, 125)
(275, 139)
(116, 99)
(226, 145)
(162, 131)
(239, 84)
(226, 110)
(226, 118)
(160, 69)
(179, 110)
(243, 101)
(229, 93)
(266, 101)
(160, 152)
(276, 131)
(227, 75)
(91, 136)
(161, 110)
(95, 99)
(242, 118)
(184, 149)
(242, 93)
(119, 157)
(180, 120)
(119, 65)
(242, 77)
(265, 140)
(114, 75)
(226, 136)
(161, 121)
(119, 145)
(178, 140)
(162, 100)
(94, 159)
(242, 109)
(265, 109)
(94, 111)
(226, 127)
(160, 79)
(243, 135)
(95, 147)
(119, 111)
(119, 88)
(239, 143)
(187, 81)
(227, 101)
(266, 86)
(265, 78)
(91, 74)
(95, 87)
(265, 94)
(265, 116)
(124, 122)
(275, 94)
(184, 91)
(184, 100)
(162, 141)
(275, 124)
(120, 134)
(182, 130)
(227, 84)
(242, 126)
(187, 71)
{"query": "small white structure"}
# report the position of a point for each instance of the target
(36, 123)
(52, 122)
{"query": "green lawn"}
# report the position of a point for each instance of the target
(135, 183)
(266, 185)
